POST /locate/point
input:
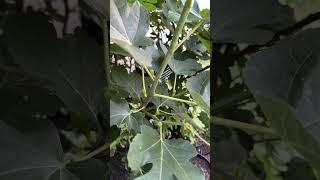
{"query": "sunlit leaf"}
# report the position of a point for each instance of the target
(169, 158)
(128, 27)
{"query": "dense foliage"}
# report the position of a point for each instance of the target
(266, 64)
(52, 94)
(161, 107)
(59, 74)
(64, 62)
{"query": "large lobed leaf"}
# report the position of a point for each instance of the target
(37, 154)
(284, 80)
(169, 158)
(23, 98)
(71, 67)
(128, 27)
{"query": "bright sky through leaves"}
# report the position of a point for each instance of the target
(204, 4)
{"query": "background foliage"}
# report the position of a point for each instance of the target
(265, 59)
(56, 82)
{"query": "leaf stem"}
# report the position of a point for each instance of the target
(203, 140)
(189, 34)
(148, 72)
(190, 127)
(143, 84)
(100, 150)
(183, 92)
(241, 125)
(165, 112)
(284, 32)
(174, 99)
(174, 41)
(174, 85)
(230, 101)
(93, 153)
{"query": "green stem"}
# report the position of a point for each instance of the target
(144, 84)
(100, 150)
(174, 41)
(189, 34)
(189, 126)
(164, 112)
(94, 153)
(175, 99)
(241, 125)
(229, 101)
(203, 140)
(174, 85)
(161, 135)
(183, 92)
(148, 72)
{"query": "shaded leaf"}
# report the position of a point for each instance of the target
(25, 99)
(197, 48)
(249, 21)
(34, 154)
(199, 88)
(169, 158)
(72, 66)
(299, 169)
(120, 113)
(158, 101)
(185, 67)
(77, 139)
(227, 158)
(99, 6)
(88, 170)
(130, 83)
(172, 10)
(284, 80)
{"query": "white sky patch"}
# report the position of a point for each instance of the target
(204, 4)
